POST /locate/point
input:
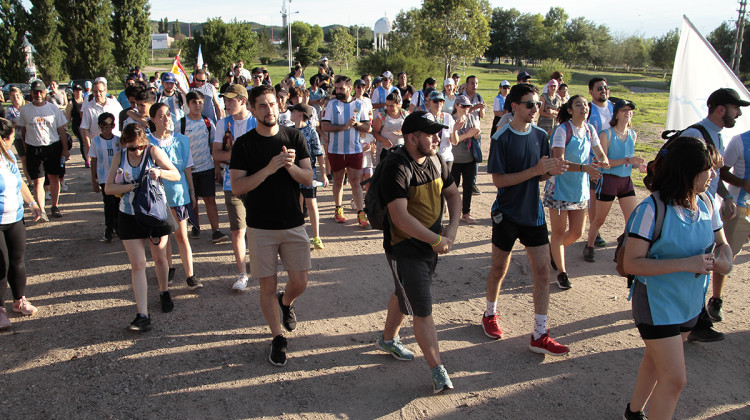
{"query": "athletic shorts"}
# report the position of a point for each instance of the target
(341, 162)
(737, 230)
(44, 160)
(592, 184)
(505, 233)
(644, 322)
(235, 211)
(309, 192)
(412, 277)
(20, 146)
(182, 212)
(128, 228)
(266, 246)
(204, 184)
(615, 186)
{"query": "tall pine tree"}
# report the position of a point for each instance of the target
(13, 19)
(131, 32)
(87, 34)
(45, 37)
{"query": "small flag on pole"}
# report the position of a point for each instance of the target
(199, 64)
(179, 72)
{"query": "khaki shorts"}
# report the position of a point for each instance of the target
(737, 230)
(265, 246)
(235, 211)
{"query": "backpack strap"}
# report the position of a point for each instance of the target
(659, 212)
(704, 133)
(182, 125)
(142, 165)
(708, 201)
(568, 127)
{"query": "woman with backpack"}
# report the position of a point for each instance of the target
(567, 195)
(137, 157)
(671, 273)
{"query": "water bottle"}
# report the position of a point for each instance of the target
(317, 183)
(62, 162)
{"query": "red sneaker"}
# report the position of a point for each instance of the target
(490, 327)
(547, 345)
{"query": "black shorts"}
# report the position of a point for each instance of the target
(20, 146)
(615, 186)
(505, 233)
(44, 160)
(204, 183)
(413, 277)
(309, 192)
(644, 322)
(128, 228)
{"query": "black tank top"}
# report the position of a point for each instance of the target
(75, 114)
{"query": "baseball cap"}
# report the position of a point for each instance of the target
(324, 59)
(449, 81)
(101, 79)
(436, 94)
(87, 84)
(388, 74)
(504, 83)
(38, 85)
(76, 86)
(421, 121)
(305, 109)
(234, 91)
(359, 82)
(621, 104)
(377, 80)
(230, 73)
(462, 100)
(725, 96)
(281, 89)
(168, 77)
(523, 76)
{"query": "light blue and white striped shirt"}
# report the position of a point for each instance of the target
(338, 113)
(103, 150)
(11, 200)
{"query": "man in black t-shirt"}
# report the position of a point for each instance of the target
(414, 183)
(268, 163)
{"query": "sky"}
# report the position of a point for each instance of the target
(647, 18)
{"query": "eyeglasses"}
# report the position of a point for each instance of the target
(133, 149)
(200, 81)
(257, 76)
(531, 104)
(112, 124)
(601, 88)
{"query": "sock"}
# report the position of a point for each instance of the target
(540, 326)
(144, 315)
(491, 308)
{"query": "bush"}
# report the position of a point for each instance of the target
(417, 66)
(549, 66)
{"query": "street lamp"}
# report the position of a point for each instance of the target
(286, 12)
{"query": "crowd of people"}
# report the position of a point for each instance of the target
(270, 147)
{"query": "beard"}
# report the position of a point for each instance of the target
(269, 121)
(341, 97)
(427, 151)
(729, 122)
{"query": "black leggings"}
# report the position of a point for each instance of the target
(468, 171)
(12, 265)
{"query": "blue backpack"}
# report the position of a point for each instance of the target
(149, 205)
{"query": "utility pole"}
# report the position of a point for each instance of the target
(737, 50)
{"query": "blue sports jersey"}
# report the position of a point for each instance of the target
(11, 200)
(177, 147)
(103, 150)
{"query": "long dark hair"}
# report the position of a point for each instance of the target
(6, 129)
(677, 164)
(564, 114)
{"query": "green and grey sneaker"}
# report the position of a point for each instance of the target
(440, 379)
(395, 348)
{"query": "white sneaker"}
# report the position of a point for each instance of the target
(64, 186)
(48, 196)
(241, 284)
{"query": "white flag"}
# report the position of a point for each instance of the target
(199, 64)
(698, 71)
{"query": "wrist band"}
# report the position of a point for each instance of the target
(33, 203)
(729, 197)
(440, 238)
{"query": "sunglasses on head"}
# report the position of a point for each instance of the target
(531, 104)
(601, 88)
(134, 148)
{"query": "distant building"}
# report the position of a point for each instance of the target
(379, 31)
(161, 41)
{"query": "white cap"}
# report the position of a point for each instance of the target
(87, 84)
(504, 83)
(101, 79)
(449, 81)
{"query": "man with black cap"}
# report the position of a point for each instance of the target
(523, 77)
(723, 110)
(414, 236)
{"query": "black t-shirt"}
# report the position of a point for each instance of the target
(422, 185)
(409, 88)
(274, 204)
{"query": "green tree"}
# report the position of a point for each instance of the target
(223, 43)
(502, 33)
(131, 33)
(664, 50)
(165, 25)
(306, 55)
(586, 43)
(722, 39)
(160, 26)
(13, 18)
(342, 47)
(529, 38)
(554, 26)
(87, 37)
(304, 35)
(266, 50)
(45, 37)
(635, 52)
(176, 28)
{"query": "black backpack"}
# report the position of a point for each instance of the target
(375, 206)
(178, 94)
(670, 136)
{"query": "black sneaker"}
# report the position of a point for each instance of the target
(705, 335)
(633, 415)
(166, 302)
(288, 318)
(599, 242)
(195, 233)
(193, 283)
(588, 253)
(714, 309)
(55, 212)
(108, 235)
(140, 323)
(552, 261)
(218, 236)
(563, 281)
(170, 276)
(475, 191)
(277, 357)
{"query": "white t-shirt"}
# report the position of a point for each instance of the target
(89, 120)
(41, 123)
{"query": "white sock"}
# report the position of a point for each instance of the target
(540, 326)
(491, 308)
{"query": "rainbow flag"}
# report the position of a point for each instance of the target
(179, 72)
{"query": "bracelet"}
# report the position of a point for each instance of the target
(440, 238)
(32, 204)
(582, 165)
(729, 197)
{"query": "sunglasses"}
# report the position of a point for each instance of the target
(504, 87)
(107, 124)
(440, 101)
(257, 76)
(465, 106)
(200, 81)
(601, 88)
(531, 104)
(133, 149)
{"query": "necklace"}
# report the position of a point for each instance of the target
(620, 134)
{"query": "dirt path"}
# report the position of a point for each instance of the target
(207, 359)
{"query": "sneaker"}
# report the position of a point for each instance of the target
(170, 276)
(48, 196)
(22, 306)
(288, 318)
(547, 345)
(490, 327)
(108, 235)
(395, 348)
(195, 233)
(440, 379)
(218, 236)
(362, 220)
(552, 261)
(277, 357)
(166, 302)
(705, 335)
(563, 281)
(4, 320)
(43, 218)
(317, 243)
(140, 323)
(64, 185)
(339, 215)
(241, 284)
(599, 242)
(633, 415)
(588, 253)
(193, 283)
(55, 212)
(468, 219)
(475, 191)
(714, 309)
